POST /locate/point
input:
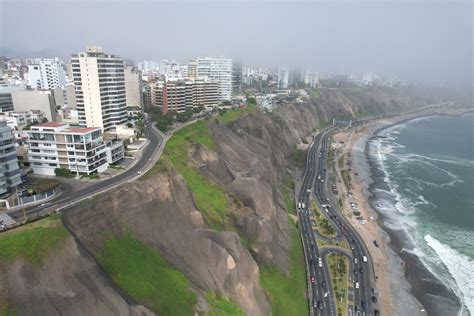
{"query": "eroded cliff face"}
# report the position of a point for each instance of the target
(252, 155)
(68, 283)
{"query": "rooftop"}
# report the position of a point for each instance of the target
(50, 124)
(81, 130)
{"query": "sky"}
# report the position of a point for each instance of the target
(413, 40)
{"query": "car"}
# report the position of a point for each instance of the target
(312, 246)
(355, 260)
(375, 243)
(355, 272)
(320, 262)
(361, 270)
(313, 279)
(357, 285)
(362, 304)
(315, 304)
(364, 258)
(376, 312)
(374, 299)
(323, 284)
(373, 291)
(320, 305)
(353, 241)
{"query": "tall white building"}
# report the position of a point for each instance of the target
(133, 88)
(283, 78)
(99, 82)
(10, 175)
(219, 70)
(46, 74)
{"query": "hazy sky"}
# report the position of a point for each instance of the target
(414, 40)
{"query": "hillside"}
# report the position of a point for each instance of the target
(206, 230)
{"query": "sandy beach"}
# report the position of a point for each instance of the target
(397, 296)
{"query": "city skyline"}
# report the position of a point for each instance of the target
(386, 38)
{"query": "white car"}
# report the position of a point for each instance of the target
(364, 258)
(357, 285)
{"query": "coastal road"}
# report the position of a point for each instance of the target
(321, 298)
(148, 157)
(362, 294)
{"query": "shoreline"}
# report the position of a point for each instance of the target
(413, 289)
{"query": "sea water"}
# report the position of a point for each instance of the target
(429, 172)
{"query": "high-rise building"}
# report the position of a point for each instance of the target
(26, 100)
(219, 70)
(283, 78)
(237, 77)
(46, 74)
(100, 88)
(192, 70)
(10, 175)
(6, 100)
(133, 89)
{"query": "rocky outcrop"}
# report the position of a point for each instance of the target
(70, 283)
(160, 212)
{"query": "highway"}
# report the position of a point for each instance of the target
(363, 294)
(148, 157)
(319, 291)
(321, 300)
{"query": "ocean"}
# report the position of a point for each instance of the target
(426, 196)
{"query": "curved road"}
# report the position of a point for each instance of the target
(148, 157)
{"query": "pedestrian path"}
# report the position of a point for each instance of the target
(6, 220)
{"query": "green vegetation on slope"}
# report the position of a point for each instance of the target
(232, 115)
(145, 275)
(314, 93)
(287, 294)
(338, 269)
(223, 306)
(210, 199)
(288, 194)
(33, 241)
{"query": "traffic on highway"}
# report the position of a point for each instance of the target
(316, 184)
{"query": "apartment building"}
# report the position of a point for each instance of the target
(26, 100)
(219, 70)
(46, 74)
(57, 145)
(180, 95)
(19, 120)
(99, 82)
(6, 99)
(133, 89)
(10, 175)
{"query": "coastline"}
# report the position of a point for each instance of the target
(409, 287)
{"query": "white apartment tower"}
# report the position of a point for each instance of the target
(100, 88)
(46, 74)
(219, 70)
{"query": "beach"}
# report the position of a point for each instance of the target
(404, 284)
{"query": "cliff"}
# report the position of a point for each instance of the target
(211, 214)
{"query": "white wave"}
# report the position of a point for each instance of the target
(460, 267)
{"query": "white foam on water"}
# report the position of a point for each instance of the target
(460, 267)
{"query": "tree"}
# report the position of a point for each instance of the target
(45, 120)
(140, 127)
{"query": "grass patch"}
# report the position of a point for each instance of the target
(338, 269)
(33, 241)
(314, 93)
(210, 199)
(323, 225)
(145, 275)
(7, 310)
(232, 115)
(288, 293)
(288, 194)
(346, 177)
(222, 306)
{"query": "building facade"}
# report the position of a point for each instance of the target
(99, 82)
(180, 95)
(133, 89)
(10, 174)
(57, 145)
(43, 101)
(219, 70)
(46, 74)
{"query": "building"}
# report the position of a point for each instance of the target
(20, 120)
(10, 175)
(219, 70)
(115, 151)
(26, 100)
(180, 95)
(57, 145)
(46, 74)
(283, 78)
(6, 100)
(99, 82)
(133, 89)
(192, 70)
(311, 78)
